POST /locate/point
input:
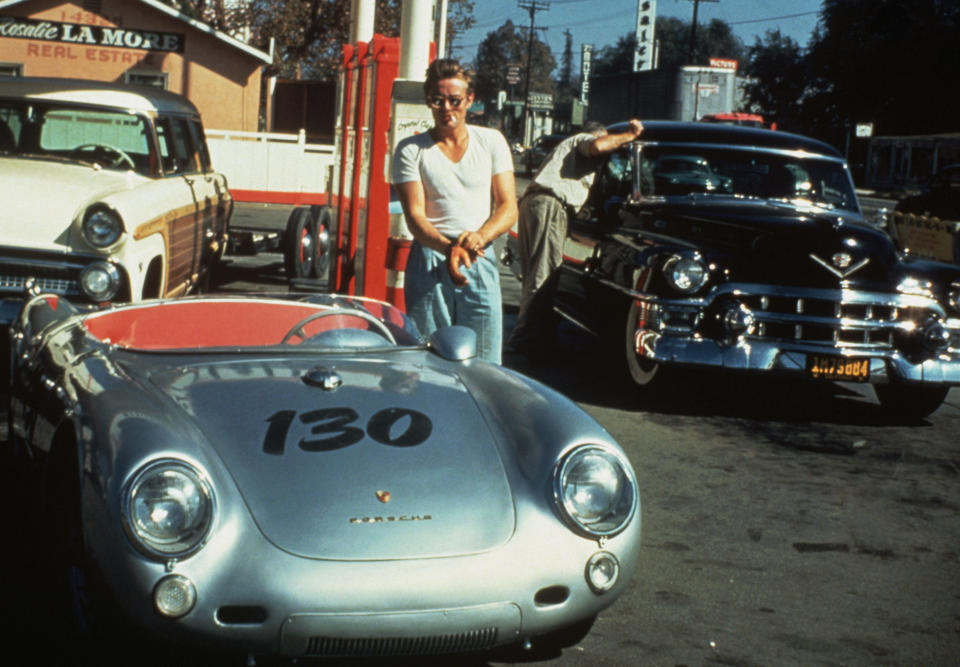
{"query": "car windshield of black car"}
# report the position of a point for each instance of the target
(777, 175)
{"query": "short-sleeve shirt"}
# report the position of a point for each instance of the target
(458, 194)
(569, 171)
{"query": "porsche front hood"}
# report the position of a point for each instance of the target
(395, 462)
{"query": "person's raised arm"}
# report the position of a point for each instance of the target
(608, 143)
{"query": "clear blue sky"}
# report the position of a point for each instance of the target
(603, 22)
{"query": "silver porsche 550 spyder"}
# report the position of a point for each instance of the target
(303, 476)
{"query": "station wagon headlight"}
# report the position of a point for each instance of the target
(685, 274)
(596, 491)
(100, 281)
(102, 227)
(168, 509)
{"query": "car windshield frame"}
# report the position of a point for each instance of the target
(137, 328)
(746, 173)
(52, 129)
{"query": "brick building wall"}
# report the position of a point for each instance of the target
(140, 41)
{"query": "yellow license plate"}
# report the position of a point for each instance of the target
(826, 367)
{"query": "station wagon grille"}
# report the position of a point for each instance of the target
(53, 272)
(50, 284)
(476, 640)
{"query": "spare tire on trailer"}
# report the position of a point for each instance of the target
(325, 257)
(299, 240)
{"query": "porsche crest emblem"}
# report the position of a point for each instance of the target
(383, 496)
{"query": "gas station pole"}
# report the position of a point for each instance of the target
(409, 115)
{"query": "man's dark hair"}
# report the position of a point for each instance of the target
(446, 68)
(593, 126)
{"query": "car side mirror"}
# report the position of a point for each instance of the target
(456, 343)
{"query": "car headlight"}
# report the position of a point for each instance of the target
(953, 297)
(596, 491)
(100, 281)
(685, 274)
(168, 509)
(102, 227)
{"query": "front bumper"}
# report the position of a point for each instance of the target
(51, 273)
(253, 597)
(788, 329)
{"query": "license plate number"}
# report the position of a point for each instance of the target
(826, 367)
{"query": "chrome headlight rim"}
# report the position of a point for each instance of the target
(686, 274)
(102, 227)
(623, 508)
(953, 297)
(108, 273)
(192, 538)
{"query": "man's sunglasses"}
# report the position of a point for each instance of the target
(437, 101)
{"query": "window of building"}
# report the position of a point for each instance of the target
(154, 79)
(11, 69)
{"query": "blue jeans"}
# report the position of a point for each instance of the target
(433, 301)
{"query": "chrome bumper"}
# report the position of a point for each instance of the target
(766, 356)
(780, 328)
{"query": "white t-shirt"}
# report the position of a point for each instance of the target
(458, 194)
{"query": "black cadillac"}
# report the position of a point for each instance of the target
(739, 248)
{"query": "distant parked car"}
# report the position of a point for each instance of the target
(940, 197)
(108, 191)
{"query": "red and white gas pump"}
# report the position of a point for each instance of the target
(355, 244)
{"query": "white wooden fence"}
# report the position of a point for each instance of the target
(272, 167)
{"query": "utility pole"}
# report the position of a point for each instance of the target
(693, 28)
(532, 6)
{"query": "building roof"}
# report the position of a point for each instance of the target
(83, 91)
(257, 54)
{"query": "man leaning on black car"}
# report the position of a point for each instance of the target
(558, 190)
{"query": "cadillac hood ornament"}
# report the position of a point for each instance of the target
(841, 264)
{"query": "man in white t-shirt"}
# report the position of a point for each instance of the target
(455, 183)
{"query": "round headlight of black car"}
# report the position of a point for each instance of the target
(168, 509)
(596, 491)
(953, 297)
(100, 281)
(102, 227)
(685, 274)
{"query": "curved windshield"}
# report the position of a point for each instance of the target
(777, 175)
(113, 139)
(317, 322)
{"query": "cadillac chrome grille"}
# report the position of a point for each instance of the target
(476, 640)
(828, 318)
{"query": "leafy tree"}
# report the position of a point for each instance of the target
(507, 45)
(309, 34)
(777, 83)
(615, 59)
(715, 40)
(892, 62)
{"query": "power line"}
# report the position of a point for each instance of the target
(772, 18)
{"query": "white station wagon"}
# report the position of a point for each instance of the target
(107, 191)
